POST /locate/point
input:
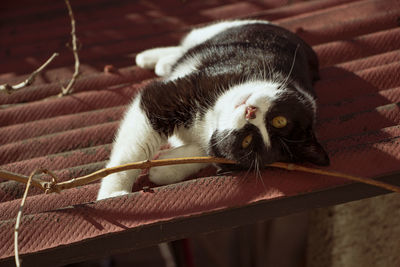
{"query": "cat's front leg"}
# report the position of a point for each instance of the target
(136, 140)
(175, 173)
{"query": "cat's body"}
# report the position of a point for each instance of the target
(236, 89)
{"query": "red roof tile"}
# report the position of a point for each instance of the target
(358, 43)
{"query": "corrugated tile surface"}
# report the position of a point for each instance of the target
(358, 43)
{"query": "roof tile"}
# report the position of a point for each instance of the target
(358, 44)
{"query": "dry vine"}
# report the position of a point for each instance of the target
(19, 215)
(69, 88)
(10, 88)
(54, 186)
(65, 91)
(7, 88)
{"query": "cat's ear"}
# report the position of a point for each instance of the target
(312, 151)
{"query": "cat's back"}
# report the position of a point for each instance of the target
(244, 47)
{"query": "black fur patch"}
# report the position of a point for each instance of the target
(173, 104)
(296, 142)
(248, 48)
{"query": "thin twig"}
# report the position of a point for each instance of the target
(293, 167)
(135, 165)
(10, 88)
(19, 215)
(54, 186)
(67, 90)
(38, 183)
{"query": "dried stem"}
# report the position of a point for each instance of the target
(67, 90)
(10, 88)
(7, 88)
(54, 186)
(23, 179)
(293, 167)
(19, 215)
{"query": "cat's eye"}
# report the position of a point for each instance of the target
(279, 122)
(247, 141)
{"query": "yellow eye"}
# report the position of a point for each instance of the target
(247, 141)
(279, 122)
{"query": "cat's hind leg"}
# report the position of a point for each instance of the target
(161, 59)
(175, 173)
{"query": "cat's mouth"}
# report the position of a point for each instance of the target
(250, 112)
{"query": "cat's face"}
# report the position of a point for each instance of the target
(259, 123)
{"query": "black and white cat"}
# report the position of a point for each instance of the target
(239, 89)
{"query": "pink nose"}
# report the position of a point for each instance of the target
(250, 112)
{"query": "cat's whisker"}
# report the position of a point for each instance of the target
(286, 147)
(222, 139)
(271, 73)
(285, 82)
(258, 171)
(264, 71)
(293, 141)
(245, 156)
(248, 170)
(255, 168)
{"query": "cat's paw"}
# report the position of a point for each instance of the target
(146, 59)
(166, 55)
(166, 175)
(110, 195)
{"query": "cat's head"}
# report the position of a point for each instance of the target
(260, 123)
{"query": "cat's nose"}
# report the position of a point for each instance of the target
(250, 112)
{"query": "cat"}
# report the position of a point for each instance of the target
(240, 89)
